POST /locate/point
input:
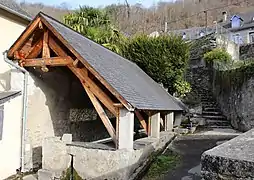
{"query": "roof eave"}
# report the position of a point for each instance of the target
(15, 13)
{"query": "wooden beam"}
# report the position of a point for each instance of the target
(102, 114)
(101, 95)
(35, 50)
(54, 61)
(24, 36)
(75, 63)
(56, 48)
(83, 77)
(87, 65)
(142, 121)
(45, 50)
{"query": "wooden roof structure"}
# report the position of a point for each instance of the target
(107, 78)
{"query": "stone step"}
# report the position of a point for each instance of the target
(217, 123)
(221, 117)
(212, 117)
(211, 109)
(218, 127)
(211, 113)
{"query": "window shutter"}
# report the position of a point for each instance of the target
(1, 120)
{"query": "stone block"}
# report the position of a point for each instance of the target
(233, 159)
(45, 175)
(181, 130)
(67, 138)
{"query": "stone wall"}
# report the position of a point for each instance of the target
(231, 160)
(234, 90)
(57, 104)
(98, 161)
(247, 51)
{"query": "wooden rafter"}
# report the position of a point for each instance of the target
(102, 114)
(35, 50)
(83, 77)
(54, 61)
(87, 65)
(24, 36)
(102, 96)
(45, 50)
(142, 121)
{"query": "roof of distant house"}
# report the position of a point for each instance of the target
(14, 8)
(247, 18)
(7, 95)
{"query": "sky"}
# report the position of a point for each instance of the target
(94, 3)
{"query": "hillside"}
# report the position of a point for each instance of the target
(135, 19)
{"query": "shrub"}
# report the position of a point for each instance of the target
(217, 55)
(163, 58)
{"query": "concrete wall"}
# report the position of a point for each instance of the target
(11, 28)
(234, 92)
(57, 104)
(10, 148)
(231, 47)
(100, 163)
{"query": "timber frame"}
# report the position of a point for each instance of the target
(40, 45)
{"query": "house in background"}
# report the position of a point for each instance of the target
(13, 21)
(240, 27)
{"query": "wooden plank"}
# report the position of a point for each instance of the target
(142, 121)
(88, 66)
(75, 63)
(54, 61)
(21, 40)
(101, 95)
(102, 114)
(35, 50)
(45, 49)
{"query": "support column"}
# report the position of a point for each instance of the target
(178, 119)
(125, 129)
(169, 121)
(155, 125)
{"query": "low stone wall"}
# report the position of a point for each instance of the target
(247, 51)
(234, 90)
(231, 160)
(98, 161)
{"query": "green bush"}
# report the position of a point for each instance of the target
(163, 58)
(217, 55)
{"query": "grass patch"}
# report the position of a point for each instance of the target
(162, 164)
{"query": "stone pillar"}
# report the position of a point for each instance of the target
(125, 129)
(169, 121)
(155, 125)
(178, 119)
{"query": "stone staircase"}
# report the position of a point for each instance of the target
(211, 112)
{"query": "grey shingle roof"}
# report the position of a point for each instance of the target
(141, 91)
(13, 7)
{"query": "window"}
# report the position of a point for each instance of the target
(235, 22)
(237, 39)
(251, 37)
(1, 120)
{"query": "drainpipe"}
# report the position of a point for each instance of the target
(24, 107)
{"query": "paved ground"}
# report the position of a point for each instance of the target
(190, 148)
